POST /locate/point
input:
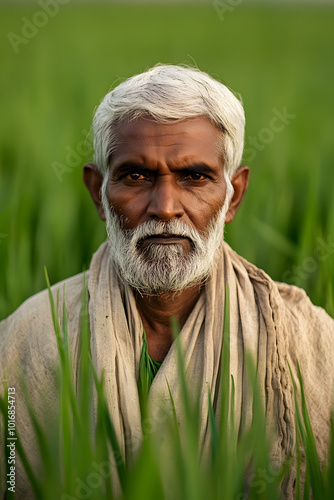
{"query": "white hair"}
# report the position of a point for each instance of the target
(168, 93)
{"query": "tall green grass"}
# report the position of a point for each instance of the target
(78, 457)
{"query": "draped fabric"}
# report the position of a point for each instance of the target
(274, 322)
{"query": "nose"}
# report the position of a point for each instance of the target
(165, 203)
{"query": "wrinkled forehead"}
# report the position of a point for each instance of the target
(196, 137)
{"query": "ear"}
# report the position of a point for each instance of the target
(240, 184)
(93, 179)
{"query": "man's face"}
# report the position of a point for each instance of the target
(165, 203)
(167, 171)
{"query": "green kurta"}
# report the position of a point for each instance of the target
(148, 368)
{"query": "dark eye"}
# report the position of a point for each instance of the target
(195, 176)
(135, 176)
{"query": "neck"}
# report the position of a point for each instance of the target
(156, 313)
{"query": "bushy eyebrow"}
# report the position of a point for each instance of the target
(201, 168)
(130, 166)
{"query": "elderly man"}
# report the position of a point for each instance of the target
(166, 178)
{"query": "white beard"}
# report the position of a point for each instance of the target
(164, 268)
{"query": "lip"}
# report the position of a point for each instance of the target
(163, 239)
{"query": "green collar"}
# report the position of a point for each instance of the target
(148, 368)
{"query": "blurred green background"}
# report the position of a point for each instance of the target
(57, 64)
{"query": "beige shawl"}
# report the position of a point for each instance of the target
(274, 322)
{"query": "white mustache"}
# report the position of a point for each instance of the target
(155, 228)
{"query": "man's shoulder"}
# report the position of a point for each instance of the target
(310, 340)
(31, 324)
(71, 288)
(301, 307)
(307, 329)
(294, 298)
(309, 333)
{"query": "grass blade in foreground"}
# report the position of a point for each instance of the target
(232, 457)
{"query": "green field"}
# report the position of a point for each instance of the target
(280, 59)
